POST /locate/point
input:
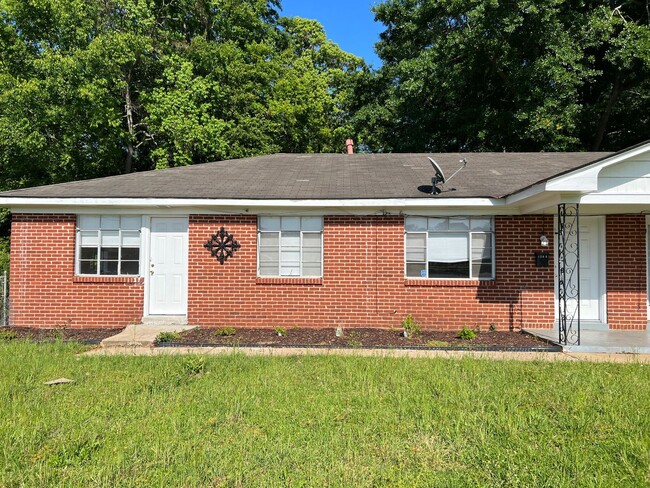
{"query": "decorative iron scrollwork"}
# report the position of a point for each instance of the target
(222, 245)
(568, 276)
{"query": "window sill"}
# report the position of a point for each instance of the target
(108, 279)
(285, 280)
(462, 283)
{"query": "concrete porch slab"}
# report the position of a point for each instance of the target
(602, 341)
(141, 334)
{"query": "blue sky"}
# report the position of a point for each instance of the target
(349, 23)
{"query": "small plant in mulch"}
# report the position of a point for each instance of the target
(466, 334)
(226, 331)
(7, 334)
(280, 331)
(411, 327)
(437, 344)
(354, 339)
(168, 337)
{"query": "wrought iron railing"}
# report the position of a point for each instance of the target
(568, 276)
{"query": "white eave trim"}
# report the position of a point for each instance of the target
(161, 203)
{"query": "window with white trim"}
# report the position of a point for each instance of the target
(290, 246)
(449, 247)
(108, 245)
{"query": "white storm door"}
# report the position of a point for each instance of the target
(592, 274)
(168, 266)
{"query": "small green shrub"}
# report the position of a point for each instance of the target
(281, 331)
(226, 331)
(7, 334)
(168, 337)
(466, 334)
(411, 327)
(193, 365)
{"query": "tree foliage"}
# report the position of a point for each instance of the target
(517, 75)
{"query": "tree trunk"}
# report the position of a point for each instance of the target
(128, 109)
(607, 112)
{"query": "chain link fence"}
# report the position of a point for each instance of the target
(4, 299)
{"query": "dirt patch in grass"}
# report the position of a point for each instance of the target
(50, 335)
(358, 337)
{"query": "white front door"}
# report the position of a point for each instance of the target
(168, 266)
(592, 272)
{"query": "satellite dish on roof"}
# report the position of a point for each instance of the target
(439, 177)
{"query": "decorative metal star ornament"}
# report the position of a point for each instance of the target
(222, 245)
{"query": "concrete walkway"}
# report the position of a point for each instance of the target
(602, 341)
(141, 335)
(398, 353)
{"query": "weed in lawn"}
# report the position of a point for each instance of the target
(193, 365)
(411, 327)
(466, 334)
(170, 336)
(76, 453)
(280, 331)
(226, 331)
(7, 334)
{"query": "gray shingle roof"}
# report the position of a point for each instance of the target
(328, 176)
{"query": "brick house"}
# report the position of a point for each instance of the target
(341, 240)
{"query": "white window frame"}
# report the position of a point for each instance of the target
(279, 232)
(77, 259)
(468, 232)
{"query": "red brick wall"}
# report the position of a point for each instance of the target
(626, 272)
(363, 282)
(43, 289)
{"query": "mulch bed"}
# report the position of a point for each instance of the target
(86, 336)
(360, 337)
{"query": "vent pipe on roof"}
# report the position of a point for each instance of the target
(349, 143)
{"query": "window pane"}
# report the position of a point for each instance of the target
(312, 223)
(290, 223)
(89, 238)
(459, 224)
(88, 267)
(89, 253)
(88, 222)
(290, 253)
(110, 238)
(482, 224)
(131, 238)
(412, 224)
(448, 248)
(416, 270)
(438, 224)
(131, 223)
(108, 267)
(482, 268)
(269, 253)
(311, 254)
(416, 247)
(109, 253)
(111, 222)
(130, 268)
(448, 255)
(130, 254)
(269, 223)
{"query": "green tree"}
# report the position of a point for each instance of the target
(507, 75)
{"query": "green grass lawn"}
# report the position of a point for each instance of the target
(318, 421)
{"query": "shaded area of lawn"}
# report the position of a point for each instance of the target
(305, 421)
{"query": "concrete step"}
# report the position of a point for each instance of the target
(141, 334)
